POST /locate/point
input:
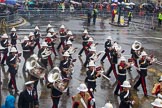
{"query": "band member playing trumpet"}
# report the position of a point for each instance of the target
(12, 68)
(83, 98)
(69, 36)
(85, 39)
(37, 36)
(4, 44)
(143, 64)
(92, 75)
(62, 33)
(125, 96)
(13, 36)
(122, 68)
(108, 47)
(43, 54)
(157, 88)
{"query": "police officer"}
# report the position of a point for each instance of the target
(13, 36)
(4, 44)
(108, 47)
(62, 33)
(122, 68)
(125, 96)
(55, 95)
(26, 50)
(37, 36)
(129, 16)
(12, 68)
(159, 18)
(94, 14)
(29, 97)
(143, 64)
(85, 39)
(43, 54)
(83, 98)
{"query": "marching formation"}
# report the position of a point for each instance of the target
(39, 66)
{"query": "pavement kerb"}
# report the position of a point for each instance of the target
(17, 24)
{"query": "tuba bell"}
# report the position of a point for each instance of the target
(136, 45)
(35, 69)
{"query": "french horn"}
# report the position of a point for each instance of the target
(136, 45)
(34, 68)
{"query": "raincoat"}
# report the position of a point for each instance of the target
(10, 102)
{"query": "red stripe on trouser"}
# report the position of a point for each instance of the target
(119, 83)
(38, 45)
(85, 50)
(114, 70)
(63, 44)
(50, 61)
(108, 56)
(54, 106)
(143, 82)
(53, 50)
(13, 81)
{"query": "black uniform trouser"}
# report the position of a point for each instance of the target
(121, 79)
(112, 67)
(81, 51)
(61, 43)
(141, 81)
(91, 84)
(12, 81)
(55, 102)
(105, 55)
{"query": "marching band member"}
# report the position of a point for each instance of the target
(62, 33)
(26, 49)
(48, 40)
(108, 105)
(157, 88)
(31, 42)
(83, 98)
(108, 47)
(55, 95)
(143, 64)
(135, 51)
(69, 36)
(13, 36)
(65, 64)
(92, 75)
(114, 54)
(43, 54)
(157, 103)
(69, 48)
(92, 51)
(4, 44)
(12, 68)
(122, 68)
(28, 98)
(37, 36)
(125, 96)
(85, 38)
(49, 26)
(54, 37)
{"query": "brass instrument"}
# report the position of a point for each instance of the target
(136, 45)
(55, 77)
(34, 68)
(46, 53)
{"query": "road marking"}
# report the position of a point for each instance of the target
(147, 38)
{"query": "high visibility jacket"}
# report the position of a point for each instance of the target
(130, 14)
(160, 16)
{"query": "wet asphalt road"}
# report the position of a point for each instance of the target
(125, 36)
